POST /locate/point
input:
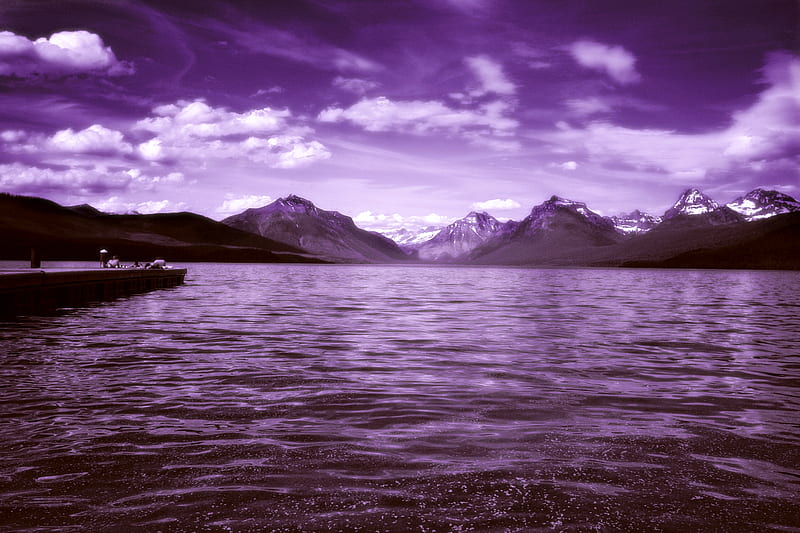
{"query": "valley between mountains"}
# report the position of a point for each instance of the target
(759, 230)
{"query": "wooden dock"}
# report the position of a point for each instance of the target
(34, 291)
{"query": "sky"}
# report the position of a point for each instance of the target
(397, 112)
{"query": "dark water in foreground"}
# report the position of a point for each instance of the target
(369, 398)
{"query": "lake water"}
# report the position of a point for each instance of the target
(395, 398)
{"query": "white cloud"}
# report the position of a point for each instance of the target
(762, 138)
(497, 204)
(89, 180)
(355, 85)
(236, 204)
(94, 139)
(490, 75)
(425, 117)
(284, 151)
(23, 179)
(589, 106)
(198, 119)
(151, 150)
(115, 204)
(383, 222)
(618, 63)
(194, 130)
(12, 136)
(66, 52)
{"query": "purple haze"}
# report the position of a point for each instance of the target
(397, 113)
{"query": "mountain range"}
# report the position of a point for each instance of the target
(79, 232)
(758, 230)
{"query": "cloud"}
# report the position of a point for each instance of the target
(80, 180)
(589, 106)
(355, 85)
(63, 53)
(566, 165)
(382, 222)
(293, 45)
(496, 204)
(236, 204)
(194, 130)
(426, 117)
(762, 139)
(618, 63)
(490, 75)
(94, 139)
(198, 119)
(12, 136)
(18, 178)
(284, 151)
(115, 204)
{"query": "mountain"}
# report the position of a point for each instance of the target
(691, 202)
(457, 240)
(329, 234)
(78, 233)
(408, 239)
(762, 203)
(772, 243)
(694, 208)
(558, 231)
(635, 222)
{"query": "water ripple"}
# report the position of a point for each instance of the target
(346, 398)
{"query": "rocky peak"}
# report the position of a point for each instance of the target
(635, 222)
(544, 212)
(691, 202)
(761, 203)
(296, 203)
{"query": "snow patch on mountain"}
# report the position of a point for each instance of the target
(692, 202)
(761, 203)
(635, 222)
(459, 238)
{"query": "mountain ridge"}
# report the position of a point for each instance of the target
(557, 232)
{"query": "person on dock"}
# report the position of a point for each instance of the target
(104, 258)
(114, 263)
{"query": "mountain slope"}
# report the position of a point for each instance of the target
(70, 233)
(558, 231)
(635, 222)
(772, 243)
(761, 203)
(330, 234)
(694, 209)
(457, 240)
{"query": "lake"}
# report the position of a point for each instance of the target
(409, 398)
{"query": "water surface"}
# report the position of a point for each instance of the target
(395, 398)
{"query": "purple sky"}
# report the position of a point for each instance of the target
(397, 112)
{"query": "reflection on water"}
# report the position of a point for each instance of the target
(347, 398)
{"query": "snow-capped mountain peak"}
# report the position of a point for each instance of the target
(460, 237)
(692, 202)
(544, 212)
(410, 238)
(761, 203)
(635, 222)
